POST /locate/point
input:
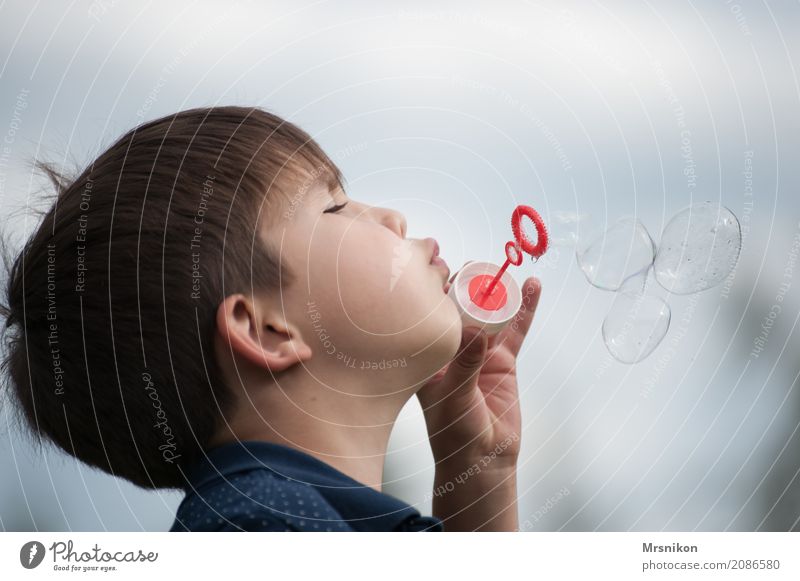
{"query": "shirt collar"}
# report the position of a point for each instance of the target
(363, 507)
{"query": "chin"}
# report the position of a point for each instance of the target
(454, 337)
(445, 340)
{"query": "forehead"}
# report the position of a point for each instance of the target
(325, 188)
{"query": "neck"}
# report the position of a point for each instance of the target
(344, 422)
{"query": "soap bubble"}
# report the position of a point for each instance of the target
(610, 258)
(699, 249)
(563, 227)
(636, 323)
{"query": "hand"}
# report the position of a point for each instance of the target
(471, 406)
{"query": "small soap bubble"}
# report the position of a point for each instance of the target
(699, 248)
(609, 258)
(636, 323)
(563, 227)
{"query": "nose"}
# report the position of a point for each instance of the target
(395, 221)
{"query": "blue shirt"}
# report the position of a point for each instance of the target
(262, 486)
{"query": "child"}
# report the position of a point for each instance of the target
(205, 308)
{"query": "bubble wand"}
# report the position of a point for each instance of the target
(483, 298)
(522, 244)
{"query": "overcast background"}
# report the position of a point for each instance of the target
(454, 115)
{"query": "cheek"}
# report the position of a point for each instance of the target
(377, 283)
(359, 273)
(374, 297)
(400, 299)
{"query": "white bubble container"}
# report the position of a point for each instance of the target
(472, 315)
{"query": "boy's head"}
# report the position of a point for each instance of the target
(202, 256)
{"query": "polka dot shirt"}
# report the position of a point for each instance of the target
(262, 486)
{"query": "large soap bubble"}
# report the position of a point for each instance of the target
(636, 323)
(610, 258)
(699, 249)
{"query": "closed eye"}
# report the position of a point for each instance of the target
(335, 209)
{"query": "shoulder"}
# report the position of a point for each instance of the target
(257, 500)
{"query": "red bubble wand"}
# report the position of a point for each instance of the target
(486, 293)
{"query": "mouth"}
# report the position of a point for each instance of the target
(438, 261)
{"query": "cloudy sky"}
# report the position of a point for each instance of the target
(454, 115)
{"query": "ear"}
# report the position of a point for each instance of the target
(269, 343)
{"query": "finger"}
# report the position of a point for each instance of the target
(516, 331)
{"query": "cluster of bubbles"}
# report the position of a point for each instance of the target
(699, 249)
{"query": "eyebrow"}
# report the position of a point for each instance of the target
(334, 182)
(328, 194)
(334, 187)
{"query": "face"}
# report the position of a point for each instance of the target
(365, 297)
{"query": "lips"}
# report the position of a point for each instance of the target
(437, 260)
(433, 247)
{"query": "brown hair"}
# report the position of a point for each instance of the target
(110, 306)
